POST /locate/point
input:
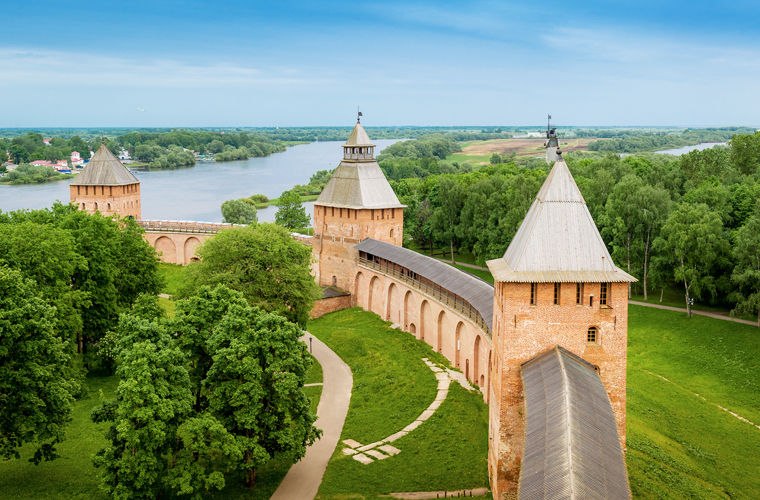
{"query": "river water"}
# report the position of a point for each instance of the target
(687, 149)
(196, 193)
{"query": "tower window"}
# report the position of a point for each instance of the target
(604, 293)
(556, 293)
(579, 293)
(391, 235)
(592, 335)
(533, 290)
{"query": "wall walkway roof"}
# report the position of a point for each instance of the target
(572, 448)
(476, 292)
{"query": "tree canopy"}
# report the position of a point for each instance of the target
(36, 387)
(290, 212)
(263, 262)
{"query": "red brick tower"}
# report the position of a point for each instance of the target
(555, 285)
(106, 186)
(356, 203)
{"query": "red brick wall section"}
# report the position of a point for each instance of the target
(108, 200)
(324, 306)
(522, 331)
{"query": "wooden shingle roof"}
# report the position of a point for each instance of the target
(558, 240)
(572, 449)
(104, 169)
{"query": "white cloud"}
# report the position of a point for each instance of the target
(30, 66)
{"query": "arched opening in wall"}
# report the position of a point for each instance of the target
(166, 249)
(83, 206)
(191, 245)
(375, 296)
(96, 205)
(413, 329)
(439, 336)
(390, 300)
(490, 374)
(467, 369)
(482, 381)
(476, 361)
(359, 289)
(109, 207)
(407, 308)
(458, 343)
(391, 233)
(334, 280)
(424, 319)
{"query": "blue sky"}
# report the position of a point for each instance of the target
(251, 63)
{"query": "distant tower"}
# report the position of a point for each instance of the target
(106, 186)
(552, 142)
(555, 286)
(356, 203)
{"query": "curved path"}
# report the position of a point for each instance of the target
(303, 479)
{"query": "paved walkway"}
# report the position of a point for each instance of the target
(699, 313)
(303, 479)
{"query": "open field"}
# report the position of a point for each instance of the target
(521, 147)
(392, 386)
(681, 373)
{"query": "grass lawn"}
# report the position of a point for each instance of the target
(173, 275)
(484, 275)
(680, 444)
(675, 298)
(392, 386)
(72, 475)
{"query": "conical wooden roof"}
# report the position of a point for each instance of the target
(358, 183)
(104, 169)
(358, 137)
(558, 240)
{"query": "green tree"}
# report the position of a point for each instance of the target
(445, 220)
(36, 394)
(48, 256)
(255, 386)
(152, 400)
(264, 263)
(238, 212)
(632, 218)
(691, 243)
(746, 274)
(290, 211)
(745, 152)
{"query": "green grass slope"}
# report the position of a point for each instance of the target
(392, 386)
(681, 444)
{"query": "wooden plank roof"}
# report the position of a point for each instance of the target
(558, 240)
(474, 291)
(104, 169)
(572, 448)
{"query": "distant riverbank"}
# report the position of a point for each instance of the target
(196, 194)
(687, 149)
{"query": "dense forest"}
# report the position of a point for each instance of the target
(690, 222)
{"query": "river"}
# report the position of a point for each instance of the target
(687, 149)
(196, 193)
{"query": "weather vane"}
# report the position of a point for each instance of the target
(358, 115)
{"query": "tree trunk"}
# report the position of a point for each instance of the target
(451, 244)
(250, 478)
(662, 292)
(646, 263)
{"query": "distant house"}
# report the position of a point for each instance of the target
(124, 155)
(41, 163)
(46, 141)
(76, 159)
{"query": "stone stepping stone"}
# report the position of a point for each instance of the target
(390, 450)
(351, 443)
(349, 451)
(361, 457)
(396, 436)
(376, 454)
